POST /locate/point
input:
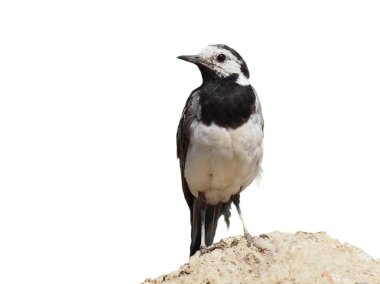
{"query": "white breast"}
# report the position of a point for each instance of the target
(223, 162)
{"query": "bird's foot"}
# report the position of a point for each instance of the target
(257, 242)
(202, 250)
(260, 242)
(248, 238)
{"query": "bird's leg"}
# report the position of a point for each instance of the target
(202, 199)
(247, 235)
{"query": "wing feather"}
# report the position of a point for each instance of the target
(189, 114)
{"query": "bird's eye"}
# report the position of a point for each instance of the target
(221, 57)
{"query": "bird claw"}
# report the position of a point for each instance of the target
(259, 243)
(264, 236)
(248, 238)
(202, 250)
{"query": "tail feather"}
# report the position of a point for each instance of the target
(226, 212)
(213, 213)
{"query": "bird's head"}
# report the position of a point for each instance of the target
(218, 62)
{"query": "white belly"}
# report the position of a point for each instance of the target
(223, 162)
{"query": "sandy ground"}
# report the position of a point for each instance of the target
(280, 258)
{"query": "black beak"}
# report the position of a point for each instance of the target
(190, 58)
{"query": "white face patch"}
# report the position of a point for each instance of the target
(231, 65)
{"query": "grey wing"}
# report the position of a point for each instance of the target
(189, 114)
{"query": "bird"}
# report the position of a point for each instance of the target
(219, 142)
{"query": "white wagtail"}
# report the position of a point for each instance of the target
(219, 141)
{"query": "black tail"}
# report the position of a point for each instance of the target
(213, 213)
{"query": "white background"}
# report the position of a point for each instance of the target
(90, 96)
